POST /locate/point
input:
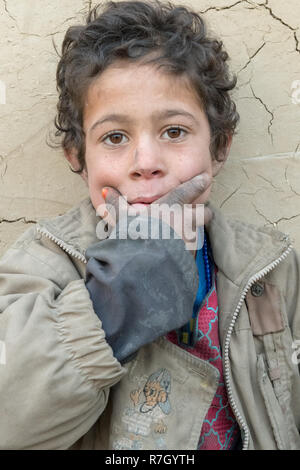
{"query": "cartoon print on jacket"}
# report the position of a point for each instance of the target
(149, 407)
(156, 391)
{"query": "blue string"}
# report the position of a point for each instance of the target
(185, 334)
(203, 265)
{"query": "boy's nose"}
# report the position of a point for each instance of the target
(147, 163)
(147, 172)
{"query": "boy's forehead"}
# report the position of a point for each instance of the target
(125, 81)
(119, 74)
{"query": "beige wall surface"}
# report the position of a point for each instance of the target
(260, 183)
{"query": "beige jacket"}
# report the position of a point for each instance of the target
(61, 387)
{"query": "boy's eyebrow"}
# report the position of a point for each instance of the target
(156, 116)
(174, 112)
(111, 117)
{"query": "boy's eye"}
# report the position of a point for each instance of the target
(115, 138)
(174, 132)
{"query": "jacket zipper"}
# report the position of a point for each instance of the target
(251, 281)
(67, 248)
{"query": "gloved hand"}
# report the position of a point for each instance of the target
(143, 288)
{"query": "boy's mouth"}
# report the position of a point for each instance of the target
(145, 200)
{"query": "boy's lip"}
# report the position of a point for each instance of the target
(145, 200)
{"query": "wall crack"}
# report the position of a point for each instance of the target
(277, 18)
(8, 12)
(251, 57)
(267, 7)
(223, 8)
(19, 219)
(262, 215)
(270, 182)
(275, 222)
(230, 195)
(288, 182)
(268, 111)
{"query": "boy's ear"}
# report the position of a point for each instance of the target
(71, 156)
(218, 165)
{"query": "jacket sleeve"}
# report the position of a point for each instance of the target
(56, 367)
(141, 288)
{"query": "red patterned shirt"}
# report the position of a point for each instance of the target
(220, 429)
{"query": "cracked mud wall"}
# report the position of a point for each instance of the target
(261, 180)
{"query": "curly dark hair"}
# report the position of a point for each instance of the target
(134, 30)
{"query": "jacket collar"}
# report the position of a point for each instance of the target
(76, 228)
(239, 249)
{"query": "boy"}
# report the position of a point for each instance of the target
(114, 344)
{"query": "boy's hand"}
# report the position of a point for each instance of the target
(185, 217)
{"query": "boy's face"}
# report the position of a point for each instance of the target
(145, 134)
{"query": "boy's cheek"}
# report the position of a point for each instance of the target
(95, 195)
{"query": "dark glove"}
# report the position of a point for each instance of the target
(140, 289)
